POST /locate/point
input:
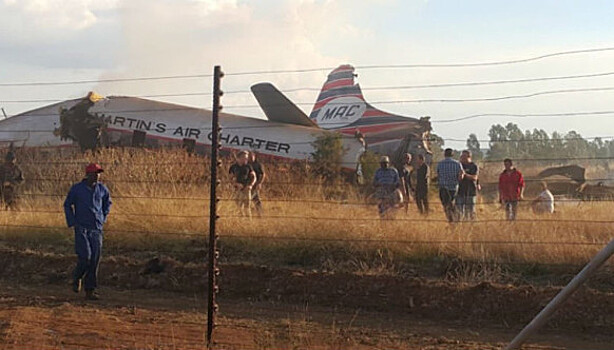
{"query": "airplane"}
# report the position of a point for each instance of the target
(287, 134)
(342, 107)
(96, 121)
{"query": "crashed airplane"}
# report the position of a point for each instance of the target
(288, 133)
(96, 121)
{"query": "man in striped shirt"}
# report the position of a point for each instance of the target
(449, 173)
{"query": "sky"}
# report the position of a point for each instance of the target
(75, 40)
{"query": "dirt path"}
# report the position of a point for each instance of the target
(53, 317)
(263, 308)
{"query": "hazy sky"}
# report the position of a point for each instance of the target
(66, 40)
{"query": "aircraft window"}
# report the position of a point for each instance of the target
(138, 138)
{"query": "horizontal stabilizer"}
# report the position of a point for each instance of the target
(278, 108)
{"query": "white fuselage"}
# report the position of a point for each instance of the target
(162, 124)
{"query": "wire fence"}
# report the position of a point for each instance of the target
(306, 238)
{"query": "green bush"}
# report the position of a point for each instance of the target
(328, 155)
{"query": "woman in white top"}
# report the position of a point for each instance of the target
(544, 203)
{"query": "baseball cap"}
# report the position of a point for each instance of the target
(384, 159)
(93, 168)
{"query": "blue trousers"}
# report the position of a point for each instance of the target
(88, 246)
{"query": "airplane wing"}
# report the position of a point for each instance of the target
(278, 108)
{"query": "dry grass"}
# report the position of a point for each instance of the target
(308, 223)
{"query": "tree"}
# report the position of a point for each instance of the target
(510, 141)
(328, 155)
(473, 145)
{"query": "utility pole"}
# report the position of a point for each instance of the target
(213, 270)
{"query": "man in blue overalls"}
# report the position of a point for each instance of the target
(87, 208)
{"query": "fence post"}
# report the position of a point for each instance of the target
(563, 295)
(213, 271)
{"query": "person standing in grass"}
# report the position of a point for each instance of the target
(87, 208)
(406, 172)
(511, 189)
(260, 177)
(468, 188)
(422, 185)
(244, 180)
(449, 174)
(11, 177)
(387, 183)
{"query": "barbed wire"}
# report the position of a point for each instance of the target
(379, 102)
(472, 116)
(528, 115)
(303, 237)
(378, 138)
(377, 88)
(318, 69)
(440, 100)
(423, 220)
(268, 183)
(295, 161)
(152, 215)
(146, 232)
(411, 242)
(383, 102)
(302, 200)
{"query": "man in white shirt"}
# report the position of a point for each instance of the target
(544, 203)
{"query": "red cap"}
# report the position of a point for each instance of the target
(93, 168)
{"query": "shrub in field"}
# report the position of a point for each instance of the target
(369, 162)
(328, 156)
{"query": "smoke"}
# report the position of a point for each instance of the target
(162, 38)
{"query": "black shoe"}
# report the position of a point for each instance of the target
(76, 285)
(91, 295)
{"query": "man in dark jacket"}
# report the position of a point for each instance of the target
(468, 188)
(422, 185)
(244, 180)
(87, 207)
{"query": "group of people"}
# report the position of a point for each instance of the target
(395, 186)
(459, 184)
(88, 202)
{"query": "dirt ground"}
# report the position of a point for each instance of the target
(263, 308)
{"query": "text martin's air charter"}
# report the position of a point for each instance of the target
(287, 133)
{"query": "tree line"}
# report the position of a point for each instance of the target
(510, 141)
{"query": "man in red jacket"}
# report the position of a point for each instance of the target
(511, 189)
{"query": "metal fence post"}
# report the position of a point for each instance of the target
(563, 295)
(213, 271)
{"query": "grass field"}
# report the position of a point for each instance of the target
(160, 200)
(319, 270)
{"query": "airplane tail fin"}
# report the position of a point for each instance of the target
(338, 94)
(341, 106)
